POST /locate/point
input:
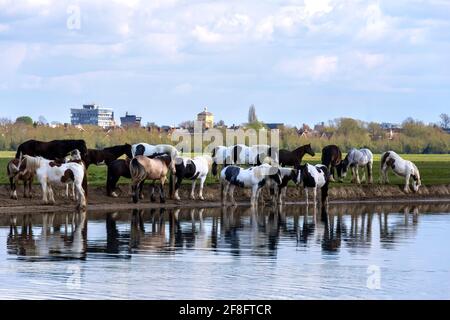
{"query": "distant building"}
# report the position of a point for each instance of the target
(130, 120)
(207, 118)
(92, 114)
(272, 126)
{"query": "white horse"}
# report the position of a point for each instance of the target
(314, 177)
(193, 169)
(401, 167)
(50, 173)
(255, 178)
(354, 160)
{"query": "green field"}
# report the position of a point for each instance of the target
(434, 169)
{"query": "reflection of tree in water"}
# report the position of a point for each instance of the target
(53, 242)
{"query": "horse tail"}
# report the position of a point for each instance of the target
(84, 184)
(325, 193)
(384, 158)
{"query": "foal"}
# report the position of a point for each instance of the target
(143, 168)
(402, 168)
(15, 173)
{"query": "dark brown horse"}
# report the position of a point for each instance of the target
(53, 150)
(332, 158)
(116, 170)
(294, 158)
(107, 155)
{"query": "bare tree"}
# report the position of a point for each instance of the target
(252, 118)
(445, 120)
(5, 121)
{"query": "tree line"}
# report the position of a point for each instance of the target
(412, 137)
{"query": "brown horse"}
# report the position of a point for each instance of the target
(143, 168)
(331, 158)
(15, 170)
(294, 158)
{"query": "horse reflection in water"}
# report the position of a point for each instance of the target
(49, 241)
(235, 231)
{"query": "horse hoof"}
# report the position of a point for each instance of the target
(202, 199)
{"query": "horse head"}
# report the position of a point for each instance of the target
(309, 150)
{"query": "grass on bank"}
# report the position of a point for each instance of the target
(434, 169)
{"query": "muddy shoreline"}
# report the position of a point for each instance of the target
(98, 201)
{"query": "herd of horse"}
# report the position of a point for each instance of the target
(64, 163)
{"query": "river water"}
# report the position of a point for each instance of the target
(353, 251)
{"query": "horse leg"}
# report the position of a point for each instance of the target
(307, 196)
(81, 196)
(202, 185)
(370, 172)
(52, 195)
(384, 176)
(44, 192)
(358, 181)
(141, 187)
(134, 192)
(177, 188)
(193, 189)
(162, 196)
(152, 192)
(331, 170)
(12, 182)
(407, 178)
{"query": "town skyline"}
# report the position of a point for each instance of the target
(121, 112)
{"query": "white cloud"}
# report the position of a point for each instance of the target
(318, 68)
(4, 27)
(202, 34)
(183, 88)
(370, 60)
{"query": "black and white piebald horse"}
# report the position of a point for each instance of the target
(192, 169)
(314, 177)
(287, 175)
(255, 178)
(354, 160)
(401, 167)
(241, 154)
(148, 150)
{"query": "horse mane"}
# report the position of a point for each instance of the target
(32, 163)
(166, 159)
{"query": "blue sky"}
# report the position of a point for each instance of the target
(297, 61)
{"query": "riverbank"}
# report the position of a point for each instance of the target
(98, 201)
